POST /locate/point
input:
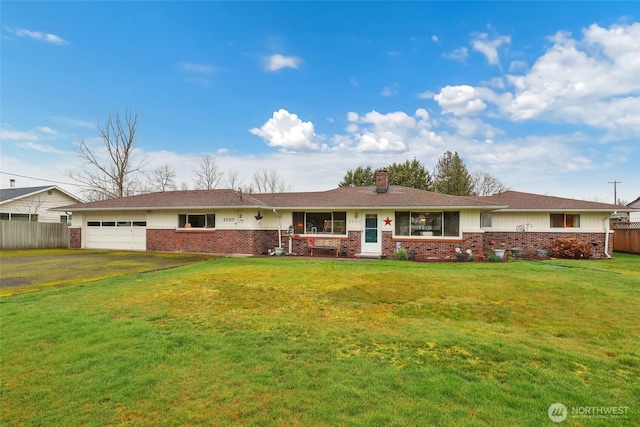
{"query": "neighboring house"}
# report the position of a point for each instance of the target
(362, 221)
(34, 204)
(634, 216)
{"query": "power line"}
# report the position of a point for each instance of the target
(37, 179)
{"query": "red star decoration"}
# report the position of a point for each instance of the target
(387, 221)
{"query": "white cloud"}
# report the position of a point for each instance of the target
(434, 38)
(43, 148)
(16, 135)
(487, 47)
(427, 94)
(37, 35)
(457, 54)
(288, 132)
(473, 129)
(47, 130)
(73, 122)
(192, 67)
(460, 100)
(391, 132)
(517, 65)
(391, 90)
(594, 81)
(277, 62)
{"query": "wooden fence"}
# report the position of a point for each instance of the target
(626, 237)
(33, 235)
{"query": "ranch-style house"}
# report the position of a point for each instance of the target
(371, 221)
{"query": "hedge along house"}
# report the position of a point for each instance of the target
(362, 221)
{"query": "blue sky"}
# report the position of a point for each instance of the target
(544, 96)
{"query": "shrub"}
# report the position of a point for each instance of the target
(570, 247)
(402, 255)
(493, 257)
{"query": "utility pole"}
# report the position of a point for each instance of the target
(615, 191)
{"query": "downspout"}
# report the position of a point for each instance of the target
(605, 223)
(279, 227)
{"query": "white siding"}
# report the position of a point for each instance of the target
(226, 219)
(541, 222)
(40, 204)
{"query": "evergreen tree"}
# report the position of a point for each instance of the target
(451, 176)
(411, 173)
(360, 177)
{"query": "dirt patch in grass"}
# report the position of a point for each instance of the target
(32, 270)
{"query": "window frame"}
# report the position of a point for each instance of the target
(336, 221)
(486, 220)
(434, 224)
(574, 222)
(185, 221)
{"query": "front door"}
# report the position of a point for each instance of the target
(371, 239)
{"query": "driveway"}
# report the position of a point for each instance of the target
(31, 270)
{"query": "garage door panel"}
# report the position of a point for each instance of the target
(125, 238)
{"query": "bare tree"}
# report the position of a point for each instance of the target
(111, 171)
(32, 206)
(485, 184)
(233, 179)
(267, 181)
(207, 175)
(163, 178)
(184, 185)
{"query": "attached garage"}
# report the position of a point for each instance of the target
(123, 233)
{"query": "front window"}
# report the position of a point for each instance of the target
(565, 221)
(320, 222)
(428, 224)
(197, 221)
(19, 217)
(485, 220)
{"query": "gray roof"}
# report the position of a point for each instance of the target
(16, 193)
(10, 194)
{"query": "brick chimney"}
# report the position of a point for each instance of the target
(382, 181)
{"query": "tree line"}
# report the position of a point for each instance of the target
(450, 176)
(114, 171)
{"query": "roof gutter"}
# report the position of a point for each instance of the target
(607, 230)
(279, 227)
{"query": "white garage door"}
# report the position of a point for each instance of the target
(117, 233)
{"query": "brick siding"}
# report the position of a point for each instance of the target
(249, 242)
(433, 249)
(259, 242)
(75, 238)
(530, 241)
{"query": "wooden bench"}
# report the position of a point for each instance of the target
(327, 243)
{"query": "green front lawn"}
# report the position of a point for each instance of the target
(285, 341)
